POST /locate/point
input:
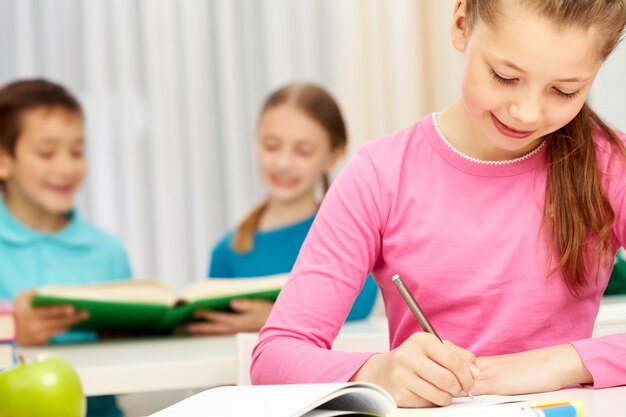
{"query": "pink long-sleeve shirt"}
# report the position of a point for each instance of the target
(466, 237)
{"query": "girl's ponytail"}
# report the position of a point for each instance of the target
(325, 183)
(244, 237)
(578, 216)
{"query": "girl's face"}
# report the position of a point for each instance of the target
(294, 152)
(48, 166)
(524, 78)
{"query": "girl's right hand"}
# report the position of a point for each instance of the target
(37, 325)
(422, 372)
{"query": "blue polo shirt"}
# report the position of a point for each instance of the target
(80, 253)
(274, 252)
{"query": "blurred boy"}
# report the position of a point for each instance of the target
(42, 238)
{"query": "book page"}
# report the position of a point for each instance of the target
(132, 291)
(271, 400)
(217, 287)
(482, 406)
(356, 399)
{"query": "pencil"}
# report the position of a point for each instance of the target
(417, 311)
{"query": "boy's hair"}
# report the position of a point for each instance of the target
(18, 97)
(577, 216)
(318, 104)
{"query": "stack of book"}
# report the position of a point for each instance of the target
(8, 331)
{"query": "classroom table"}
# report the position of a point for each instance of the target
(134, 365)
(611, 317)
(607, 402)
(183, 362)
(126, 366)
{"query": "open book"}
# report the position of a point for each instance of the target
(326, 400)
(151, 305)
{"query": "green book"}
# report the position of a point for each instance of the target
(152, 306)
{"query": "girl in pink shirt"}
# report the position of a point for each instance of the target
(502, 214)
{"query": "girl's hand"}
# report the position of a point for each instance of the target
(538, 370)
(248, 315)
(37, 325)
(422, 372)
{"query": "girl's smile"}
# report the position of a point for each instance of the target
(507, 130)
(282, 181)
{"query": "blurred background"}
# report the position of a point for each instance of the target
(172, 90)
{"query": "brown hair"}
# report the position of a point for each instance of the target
(18, 97)
(318, 104)
(577, 215)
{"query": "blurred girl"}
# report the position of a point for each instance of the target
(300, 137)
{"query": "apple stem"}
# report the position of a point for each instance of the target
(20, 358)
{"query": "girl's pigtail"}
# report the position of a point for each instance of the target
(244, 236)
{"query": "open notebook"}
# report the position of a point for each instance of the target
(326, 400)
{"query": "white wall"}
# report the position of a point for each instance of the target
(608, 96)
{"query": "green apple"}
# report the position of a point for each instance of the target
(46, 386)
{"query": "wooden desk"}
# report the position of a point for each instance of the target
(151, 364)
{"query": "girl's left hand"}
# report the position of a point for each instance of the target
(539, 370)
(248, 315)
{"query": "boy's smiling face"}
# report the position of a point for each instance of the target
(47, 168)
(524, 78)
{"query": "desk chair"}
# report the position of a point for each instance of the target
(245, 344)
(350, 339)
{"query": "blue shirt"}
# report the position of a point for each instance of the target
(80, 253)
(274, 252)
